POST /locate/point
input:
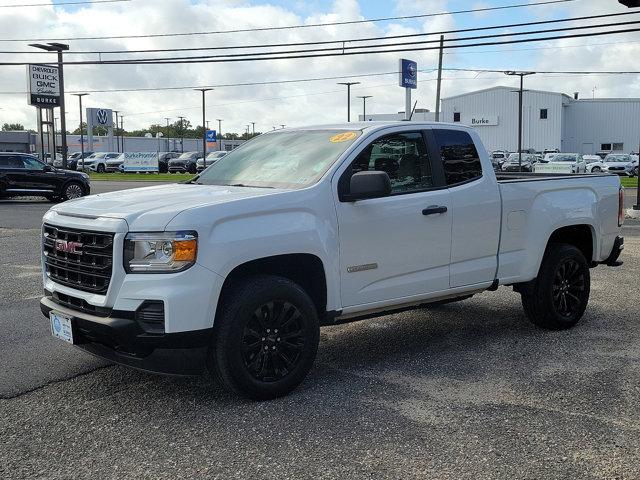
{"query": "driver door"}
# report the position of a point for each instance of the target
(395, 247)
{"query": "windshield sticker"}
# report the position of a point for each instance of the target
(343, 137)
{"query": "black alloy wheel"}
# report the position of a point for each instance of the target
(568, 288)
(558, 297)
(596, 170)
(273, 340)
(266, 337)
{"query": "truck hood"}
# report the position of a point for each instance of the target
(152, 208)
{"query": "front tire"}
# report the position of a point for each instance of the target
(596, 170)
(266, 338)
(558, 297)
(72, 190)
(100, 168)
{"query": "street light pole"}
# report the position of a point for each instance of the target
(80, 95)
(253, 128)
(348, 84)
(59, 48)
(204, 129)
(167, 135)
(122, 130)
(364, 106)
(115, 132)
(181, 135)
(219, 133)
(521, 75)
(634, 4)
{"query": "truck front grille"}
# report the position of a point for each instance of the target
(79, 259)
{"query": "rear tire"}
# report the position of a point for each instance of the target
(596, 170)
(266, 338)
(558, 297)
(100, 168)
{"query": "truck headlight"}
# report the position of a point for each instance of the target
(160, 252)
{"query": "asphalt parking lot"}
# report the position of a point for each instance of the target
(466, 390)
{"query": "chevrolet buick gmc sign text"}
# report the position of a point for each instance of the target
(408, 73)
(44, 86)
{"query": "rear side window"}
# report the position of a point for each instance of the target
(11, 161)
(460, 159)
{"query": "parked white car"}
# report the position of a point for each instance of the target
(96, 162)
(593, 163)
(621, 164)
(574, 160)
(212, 157)
(234, 271)
(115, 164)
(512, 162)
(548, 157)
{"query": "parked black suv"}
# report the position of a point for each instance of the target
(25, 175)
(185, 163)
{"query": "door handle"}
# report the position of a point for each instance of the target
(434, 210)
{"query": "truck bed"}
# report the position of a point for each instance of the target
(508, 177)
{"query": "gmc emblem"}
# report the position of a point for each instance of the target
(69, 247)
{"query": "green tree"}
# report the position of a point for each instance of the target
(12, 127)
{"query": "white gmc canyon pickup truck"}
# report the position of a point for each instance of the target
(234, 271)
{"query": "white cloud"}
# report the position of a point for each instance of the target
(296, 104)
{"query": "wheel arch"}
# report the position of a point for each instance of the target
(305, 269)
(581, 236)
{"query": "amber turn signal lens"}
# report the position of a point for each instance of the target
(185, 250)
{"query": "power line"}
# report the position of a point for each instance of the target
(339, 41)
(305, 54)
(79, 2)
(289, 27)
(343, 49)
(585, 45)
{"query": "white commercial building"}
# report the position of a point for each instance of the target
(550, 120)
(419, 115)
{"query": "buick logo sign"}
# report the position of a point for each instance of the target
(102, 116)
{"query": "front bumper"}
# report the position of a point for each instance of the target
(120, 338)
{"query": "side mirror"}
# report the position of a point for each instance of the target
(369, 184)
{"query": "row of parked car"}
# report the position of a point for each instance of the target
(171, 162)
(619, 163)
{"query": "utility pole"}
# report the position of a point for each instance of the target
(253, 128)
(364, 106)
(181, 135)
(521, 75)
(80, 95)
(204, 130)
(348, 84)
(247, 132)
(168, 139)
(59, 48)
(122, 130)
(439, 84)
(219, 133)
(116, 132)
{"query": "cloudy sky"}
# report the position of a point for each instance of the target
(301, 103)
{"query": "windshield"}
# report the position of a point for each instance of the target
(97, 155)
(214, 155)
(287, 159)
(186, 155)
(564, 158)
(617, 158)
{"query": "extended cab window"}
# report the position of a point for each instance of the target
(403, 156)
(460, 159)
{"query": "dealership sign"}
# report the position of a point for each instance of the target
(44, 86)
(140, 162)
(408, 73)
(100, 117)
(480, 120)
